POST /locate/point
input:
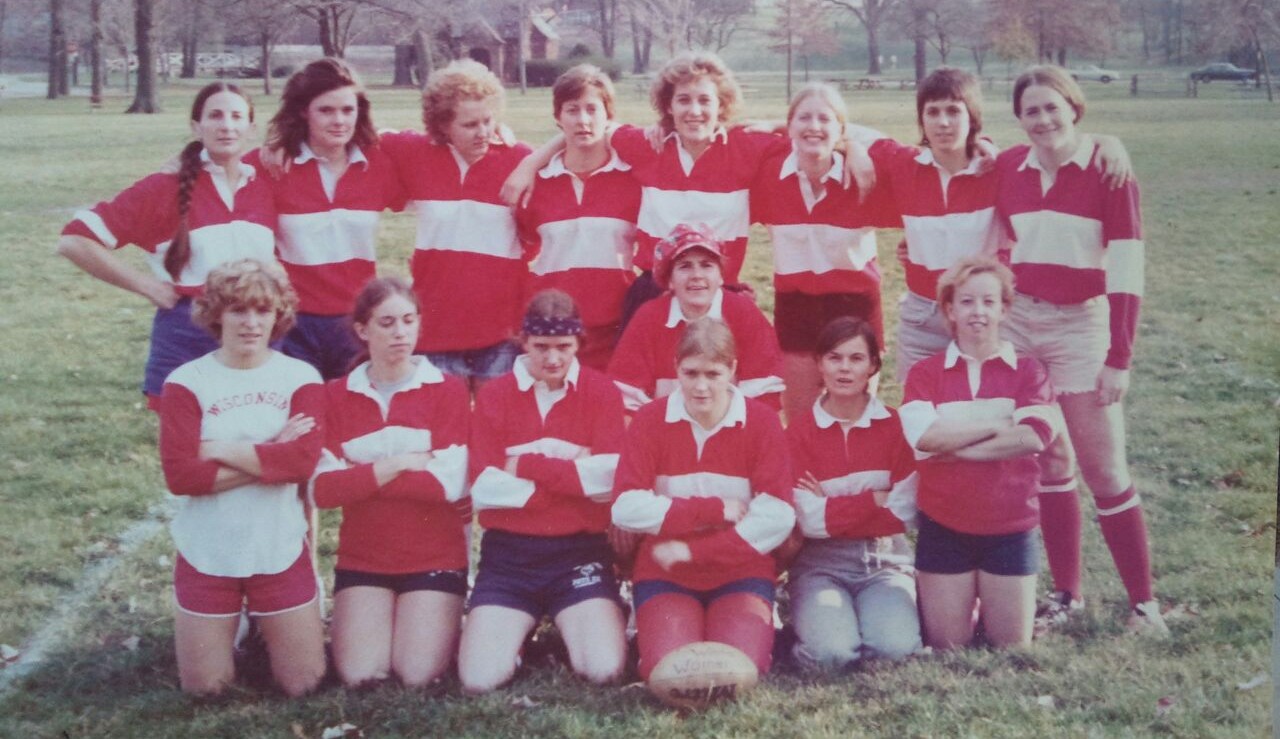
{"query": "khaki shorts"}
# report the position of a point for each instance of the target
(922, 332)
(1070, 340)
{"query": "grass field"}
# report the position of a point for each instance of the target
(80, 545)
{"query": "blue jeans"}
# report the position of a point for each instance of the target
(327, 343)
(853, 598)
(175, 340)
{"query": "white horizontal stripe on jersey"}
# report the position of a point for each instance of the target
(768, 523)
(1125, 262)
(547, 446)
(811, 514)
(703, 485)
(640, 511)
(94, 223)
(595, 475)
(585, 243)
(215, 245)
(1049, 237)
(386, 442)
(725, 212)
(328, 237)
(937, 242)
(494, 488)
(466, 226)
(821, 248)
(857, 482)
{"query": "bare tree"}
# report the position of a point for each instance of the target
(57, 52)
(606, 25)
(802, 28)
(265, 24)
(95, 53)
(872, 14)
(333, 20)
(144, 100)
(1251, 23)
(713, 23)
(641, 39)
(1081, 26)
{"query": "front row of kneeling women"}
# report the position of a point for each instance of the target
(706, 505)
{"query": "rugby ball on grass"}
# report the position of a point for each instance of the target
(699, 674)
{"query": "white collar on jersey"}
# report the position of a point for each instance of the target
(1084, 153)
(737, 415)
(525, 380)
(791, 165)
(425, 373)
(926, 158)
(354, 155)
(1005, 352)
(556, 167)
(720, 135)
(246, 170)
(875, 411)
(676, 314)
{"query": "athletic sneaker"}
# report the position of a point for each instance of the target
(1147, 621)
(1055, 610)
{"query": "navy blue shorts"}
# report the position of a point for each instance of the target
(945, 551)
(798, 318)
(543, 575)
(324, 342)
(440, 581)
(485, 363)
(175, 340)
(646, 589)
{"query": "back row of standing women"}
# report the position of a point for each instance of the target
(610, 203)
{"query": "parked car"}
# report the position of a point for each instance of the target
(1223, 71)
(1093, 72)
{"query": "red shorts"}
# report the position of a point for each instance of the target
(213, 595)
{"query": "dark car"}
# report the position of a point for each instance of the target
(1223, 71)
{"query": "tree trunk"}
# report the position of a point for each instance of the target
(4, 8)
(264, 42)
(95, 53)
(326, 35)
(921, 50)
(191, 43)
(144, 100)
(1062, 56)
(404, 66)
(636, 66)
(978, 58)
(57, 49)
(873, 49)
(608, 26)
(423, 64)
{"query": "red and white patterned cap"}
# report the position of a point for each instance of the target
(682, 238)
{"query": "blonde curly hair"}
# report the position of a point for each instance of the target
(246, 282)
(691, 66)
(462, 79)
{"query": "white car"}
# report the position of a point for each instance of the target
(1093, 72)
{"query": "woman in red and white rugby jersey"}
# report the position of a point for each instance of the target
(545, 445)
(852, 586)
(468, 266)
(689, 264)
(702, 478)
(579, 225)
(239, 430)
(329, 199)
(396, 464)
(215, 209)
(1078, 256)
(823, 233)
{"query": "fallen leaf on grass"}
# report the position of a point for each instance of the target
(524, 701)
(338, 732)
(9, 654)
(1258, 680)
(1165, 705)
(1233, 479)
(629, 686)
(1047, 702)
(131, 643)
(1181, 611)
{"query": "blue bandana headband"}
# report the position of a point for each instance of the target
(542, 326)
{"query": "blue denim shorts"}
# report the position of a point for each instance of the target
(175, 340)
(945, 551)
(324, 342)
(543, 575)
(485, 363)
(646, 589)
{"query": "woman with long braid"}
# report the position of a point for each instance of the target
(213, 211)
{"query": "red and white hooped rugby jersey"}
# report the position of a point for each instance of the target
(995, 497)
(1075, 238)
(674, 477)
(644, 361)
(852, 460)
(468, 267)
(412, 523)
(580, 235)
(567, 441)
(223, 225)
(713, 189)
(945, 218)
(328, 240)
(821, 245)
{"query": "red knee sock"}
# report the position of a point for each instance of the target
(745, 621)
(1125, 530)
(665, 623)
(1060, 527)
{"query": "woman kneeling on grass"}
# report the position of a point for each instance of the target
(396, 464)
(703, 474)
(977, 415)
(545, 447)
(238, 432)
(852, 590)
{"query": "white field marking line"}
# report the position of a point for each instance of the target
(71, 608)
